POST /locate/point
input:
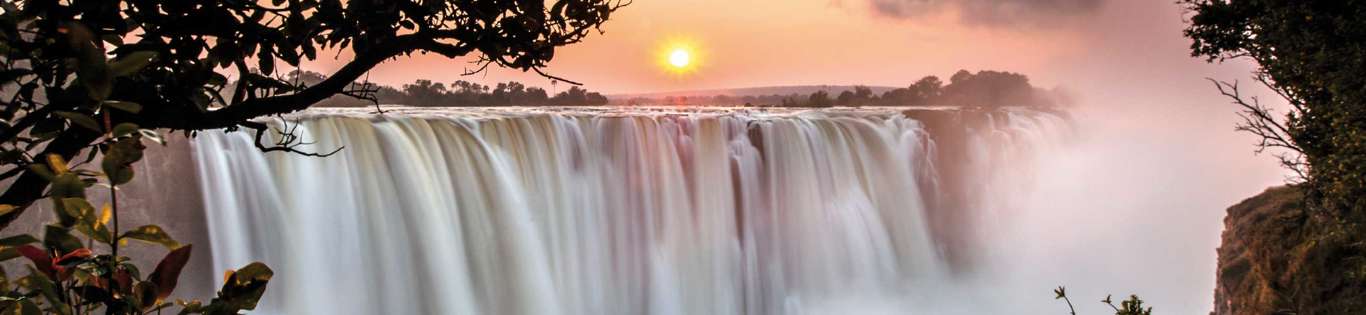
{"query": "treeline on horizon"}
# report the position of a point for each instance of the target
(982, 89)
(427, 93)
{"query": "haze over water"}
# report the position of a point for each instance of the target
(1134, 205)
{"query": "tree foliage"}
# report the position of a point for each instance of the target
(69, 275)
(67, 65)
(102, 77)
(1310, 53)
(424, 92)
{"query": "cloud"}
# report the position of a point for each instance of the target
(991, 12)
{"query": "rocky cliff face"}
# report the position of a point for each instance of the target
(1278, 258)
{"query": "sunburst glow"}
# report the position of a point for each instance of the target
(680, 58)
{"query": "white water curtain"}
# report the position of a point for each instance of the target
(586, 212)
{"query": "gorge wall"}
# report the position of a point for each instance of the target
(1277, 257)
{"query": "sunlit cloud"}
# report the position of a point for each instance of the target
(990, 12)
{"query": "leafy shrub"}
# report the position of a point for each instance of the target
(1131, 306)
(68, 274)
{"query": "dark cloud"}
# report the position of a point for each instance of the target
(991, 12)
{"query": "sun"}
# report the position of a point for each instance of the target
(680, 58)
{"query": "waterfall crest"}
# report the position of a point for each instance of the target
(610, 211)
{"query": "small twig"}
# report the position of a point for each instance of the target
(538, 71)
(288, 141)
(1062, 294)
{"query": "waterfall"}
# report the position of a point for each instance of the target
(611, 211)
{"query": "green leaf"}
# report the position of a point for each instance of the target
(27, 307)
(168, 271)
(8, 253)
(67, 184)
(42, 171)
(151, 234)
(144, 295)
(78, 208)
(265, 62)
(130, 107)
(47, 128)
(91, 293)
(201, 99)
(123, 129)
(118, 160)
(131, 63)
(67, 202)
(80, 120)
(6, 209)
(43, 284)
(243, 288)
(59, 238)
(71, 210)
(91, 69)
(112, 39)
(17, 240)
(98, 232)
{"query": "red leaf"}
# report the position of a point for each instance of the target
(79, 253)
(39, 257)
(168, 271)
(122, 280)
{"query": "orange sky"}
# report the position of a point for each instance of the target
(776, 42)
(801, 42)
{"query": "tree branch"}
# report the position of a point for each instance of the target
(1259, 120)
(288, 141)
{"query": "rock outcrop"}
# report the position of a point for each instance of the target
(1279, 258)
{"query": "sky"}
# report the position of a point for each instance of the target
(874, 42)
(1136, 207)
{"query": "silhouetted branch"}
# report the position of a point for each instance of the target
(288, 139)
(538, 71)
(1062, 294)
(1259, 120)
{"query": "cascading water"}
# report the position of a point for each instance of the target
(609, 211)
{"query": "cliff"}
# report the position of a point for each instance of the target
(1278, 258)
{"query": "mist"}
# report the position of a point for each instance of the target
(1136, 204)
(1133, 204)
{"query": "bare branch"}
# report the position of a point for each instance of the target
(538, 71)
(288, 139)
(1260, 120)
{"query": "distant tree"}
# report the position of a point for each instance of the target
(846, 98)
(859, 96)
(536, 96)
(576, 96)
(425, 93)
(924, 90)
(863, 92)
(819, 99)
(988, 88)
